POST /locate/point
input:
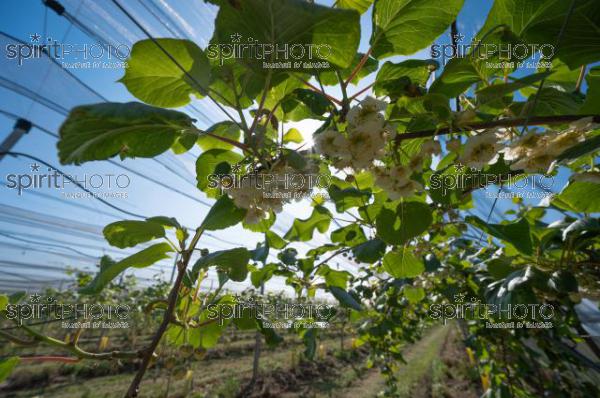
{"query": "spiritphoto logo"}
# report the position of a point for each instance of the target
(70, 56)
(274, 56)
(497, 316)
(52, 179)
(519, 55)
(274, 315)
(273, 185)
(530, 187)
(74, 316)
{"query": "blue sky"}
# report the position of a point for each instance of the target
(44, 215)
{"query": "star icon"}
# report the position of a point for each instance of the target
(35, 38)
(35, 298)
(459, 297)
(35, 167)
(458, 37)
(236, 168)
(236, 37)
(459, 166)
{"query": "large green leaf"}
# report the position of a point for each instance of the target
(110, 270)
(581, 197)
(540, 22)
(498, 91)
(152, 77)
(516, 233)
(233, 262)
(129, 233)
(3, 302)
(223, 214)
(101, 131)
(334, 277)
(588, 146)
(289, 23)
(349, 235)
(345, 298)
(207, 163)
(370, 251)
(410, 219)
(403, 27)
(458, 75)
(302, 230)
(592, 96)
(6, 367)
(275, 241)
(226, 129)
(358, 5)
(413, 294)
(401, 263)
(392, 78)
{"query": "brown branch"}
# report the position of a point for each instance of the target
(359, 66)
(50, 358)
(580, 78)
(316, 89)
(361, 91)
(173, 295)
(533, 121)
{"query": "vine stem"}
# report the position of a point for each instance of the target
(69, 346)
(361, 92)
(172, 300)
(359, 66)
(533, 121)
(317, 90)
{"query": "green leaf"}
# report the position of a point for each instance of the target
(403, 27)
(102, 131)
(130, 233)
(540, 22)
(516, 233)
(262, 275)
(152, 77)
(207, 163)
(349, 235)
(409, 220)
(497, 91)
(302, 230)
(309, 338)
(111, 270)
(580, 197)
(226, 129)
(401, 263)
(592, 96)
(359, 5)
(293, 135)
(6, 367)
(3, 302)
(345, 298)
(334, 277)
(274, 240)
(370, 251)
(304, 104)
(413, 294)
(208, 335)
(389, 78)
(347, 198)
(588, 146)
(288, 23)
(223, 214)
(184, 142)
(458, 75)
(233, 262)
